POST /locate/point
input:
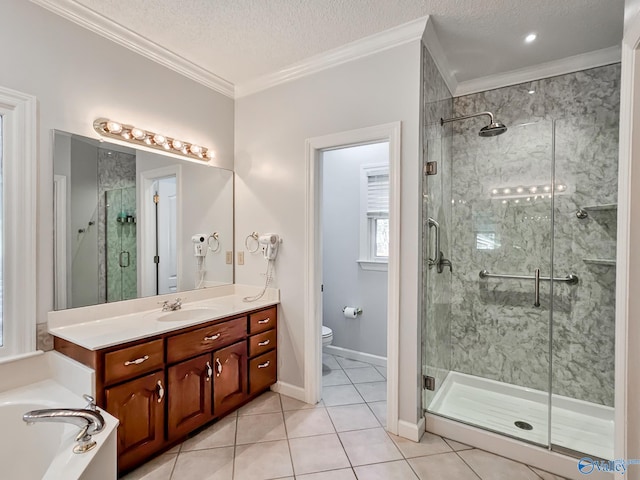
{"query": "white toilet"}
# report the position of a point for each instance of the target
(327, 336)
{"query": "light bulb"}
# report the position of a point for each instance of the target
(126, 134)
(114, 127)
(547, 188)
(177, 144)
(195, 149)
(494, 191)
(533, 189)
(519, 189)
(530, 38)
(137, 133)
(159, 139)
(561, 188)
(504, 202)
(166, 145)
(210, 154)
(507, 191)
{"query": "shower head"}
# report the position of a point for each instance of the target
(493, 129)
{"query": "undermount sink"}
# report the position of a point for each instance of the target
(188, 314)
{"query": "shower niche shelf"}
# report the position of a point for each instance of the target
(600, 208)
(600, 261)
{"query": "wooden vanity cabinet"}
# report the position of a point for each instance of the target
(189, 403)
(164, 387)
(140, 406)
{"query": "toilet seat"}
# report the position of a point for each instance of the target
(327, 335)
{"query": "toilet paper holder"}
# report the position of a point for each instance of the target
(356, 310)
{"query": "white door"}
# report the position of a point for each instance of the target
(166, 241)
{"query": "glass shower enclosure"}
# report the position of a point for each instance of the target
(518, 333)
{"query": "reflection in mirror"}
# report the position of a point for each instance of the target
(131, 223)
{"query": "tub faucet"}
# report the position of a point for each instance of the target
(88, 419)
(168, 306)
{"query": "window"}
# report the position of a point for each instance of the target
(17, 223)
(374, 232)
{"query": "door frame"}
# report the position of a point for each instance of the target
(390, 132)
(627, 330)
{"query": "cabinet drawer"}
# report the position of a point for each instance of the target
(261, 321)
(262, 342)
(133, 361)
(205, 339)
(262, 372)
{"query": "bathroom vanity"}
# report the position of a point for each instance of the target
(164, 375)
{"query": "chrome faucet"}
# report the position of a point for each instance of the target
(88, 419)
(168, 306)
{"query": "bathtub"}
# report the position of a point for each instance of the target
(44, 450)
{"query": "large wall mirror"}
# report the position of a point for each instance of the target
(130, 223)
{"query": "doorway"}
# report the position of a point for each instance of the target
(318, 150)
(354, 207)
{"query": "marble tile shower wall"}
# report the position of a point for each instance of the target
(116, 170)
(436, 314)
(495, 330)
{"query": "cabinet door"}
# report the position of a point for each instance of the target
(229, 378)
(139, 405)
(189, 397)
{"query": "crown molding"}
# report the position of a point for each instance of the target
(597, 58)
(430, 40)
(91, 20)
(376, 43)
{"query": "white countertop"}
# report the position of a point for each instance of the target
(101, 332)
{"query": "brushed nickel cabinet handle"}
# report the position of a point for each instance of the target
(137, 361)
(212, 337)
(265, 364)
(218, 367)
(266, 342)
(266, 320)
(209, 371)
(160, 389)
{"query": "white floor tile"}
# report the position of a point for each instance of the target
(260, 428)
(444, 466)
(317, 454)
(364, 375)
(341, 395)
(268, 402)
(457, 446)
(309, 422)
(220, 434)
(344, 474)
(335, 377)
(262, 461)
(385, 471)
(369, 446)
(494, 467)
(373, 392)
(352, 417)
(382, 371)
(329, 361)
(429, 444)
(159, 468)
(348, 363)
(212, 464)
(379, 409)
(289, 403)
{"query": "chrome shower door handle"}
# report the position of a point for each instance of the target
(536, 288)
(436, 226)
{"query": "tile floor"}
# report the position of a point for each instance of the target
(341, 438)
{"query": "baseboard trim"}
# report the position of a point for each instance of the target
(411, 431)
(289, 390)
(355, 355)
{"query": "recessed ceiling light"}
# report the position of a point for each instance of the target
(531, 92)
(530, 38)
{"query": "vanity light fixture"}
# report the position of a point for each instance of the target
(139, 136)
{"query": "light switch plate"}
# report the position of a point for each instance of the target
(240, 258)
(229, 258)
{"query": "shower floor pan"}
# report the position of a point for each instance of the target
(576, 425)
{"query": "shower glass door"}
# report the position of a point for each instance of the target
(121, 244)
(486, 321)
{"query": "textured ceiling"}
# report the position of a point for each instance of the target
(240, 40)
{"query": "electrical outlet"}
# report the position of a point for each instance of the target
(229, 258)
(240, 258)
